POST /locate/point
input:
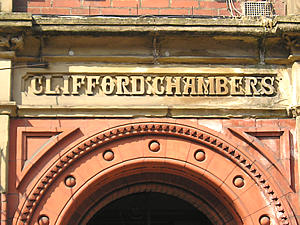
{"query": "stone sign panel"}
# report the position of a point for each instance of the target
(142, 85)
(188, 91)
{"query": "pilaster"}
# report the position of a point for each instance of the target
(298, 147)
(296, 83)
(5, 97)
(296, 110)
(6, 5)
(4, 152)
(5, 80)
(293, 7)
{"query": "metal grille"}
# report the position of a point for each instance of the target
(260, 8)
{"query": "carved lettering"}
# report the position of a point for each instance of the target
(158, 87)
(190, 86)
(48, 90)
(206, 86)
(66, 85)
(250, 89)
(138, 85)
(37, 85)
(221, 86)
(173, 83)
(169, 85)
(237, 86)
(108, 85)
(267, 86)
(78, 82)
(91, 83)
(122, 82)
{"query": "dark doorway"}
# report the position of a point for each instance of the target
(149, 208)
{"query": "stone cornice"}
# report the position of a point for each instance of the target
(19, 22)
(242, 26)
(15, 22)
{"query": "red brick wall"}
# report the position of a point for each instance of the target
(133, 7)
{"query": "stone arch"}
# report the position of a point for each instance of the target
(154, 144)
(135, 180)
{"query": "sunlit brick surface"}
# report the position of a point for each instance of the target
(139, 7)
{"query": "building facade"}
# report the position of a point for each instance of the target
(149, 119)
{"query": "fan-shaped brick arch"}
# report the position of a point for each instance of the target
(196, 154)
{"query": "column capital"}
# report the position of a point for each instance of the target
(9, 44)
(295, 111)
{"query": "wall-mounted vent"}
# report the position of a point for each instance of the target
(258, 8)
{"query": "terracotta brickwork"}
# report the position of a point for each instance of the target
(240, 162)
(134, 7)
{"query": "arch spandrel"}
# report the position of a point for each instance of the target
(198, 153)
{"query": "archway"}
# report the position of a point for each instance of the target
(196, 165)
(143, 178)
(149, 208)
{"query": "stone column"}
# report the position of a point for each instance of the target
(293, 7)
(296, 109)
(5, 90)
(298, 147)
(6, 5)
(5, 102)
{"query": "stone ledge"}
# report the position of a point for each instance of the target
(8, 108)
(175, 112)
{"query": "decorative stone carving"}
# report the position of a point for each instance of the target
(44, 220)
(17, 43)
(4, 42)
(70, 181)
(264, 220)
(9, 43)
(238, 181)
(108, 155)
(291, 43)
(154, 146)
(200, 155)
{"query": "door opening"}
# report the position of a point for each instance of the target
(149, 208)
